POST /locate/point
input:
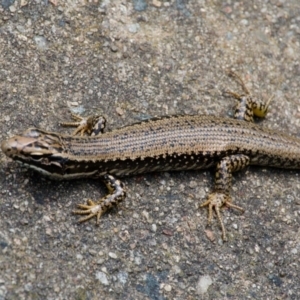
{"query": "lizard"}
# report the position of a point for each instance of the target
(170, 143)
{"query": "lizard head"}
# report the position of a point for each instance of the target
(37, 149)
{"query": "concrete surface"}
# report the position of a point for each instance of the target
(131, 60)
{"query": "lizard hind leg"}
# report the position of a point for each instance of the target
(221, 195)
(92, 209)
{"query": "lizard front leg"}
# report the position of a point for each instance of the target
(92, 209)
(92, 125)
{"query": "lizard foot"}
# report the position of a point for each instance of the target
(92, 209)
(216, 201)
(92, 125)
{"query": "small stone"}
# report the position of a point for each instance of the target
(23, 3)
(102, 277)
(203, 284)
(24, 221)
(152, 243)
(22, 37)
(133, 28)
(54, 2)
(12, 9)
(153, 228)
(139, 5)
(56, 289)
(145, 214)
(244, 22)
(79, 256)
(112, 255)
(100, 261)
(40, 41)
(156, 3)
(113, 47)
(176, 269)
(122, 277)
(28, 287)
(92, 252)
(210, 235)
(227, 10)
(120, 111)
(294, 251)
(289, 51)
(193, 184)
(72, 103)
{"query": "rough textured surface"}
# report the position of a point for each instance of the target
(131, 61)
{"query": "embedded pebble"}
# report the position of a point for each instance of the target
(156, 3)
(139, 5)
(41, 42)
(133, 28)
(112, 255)
(203, 284)
(102, 277)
